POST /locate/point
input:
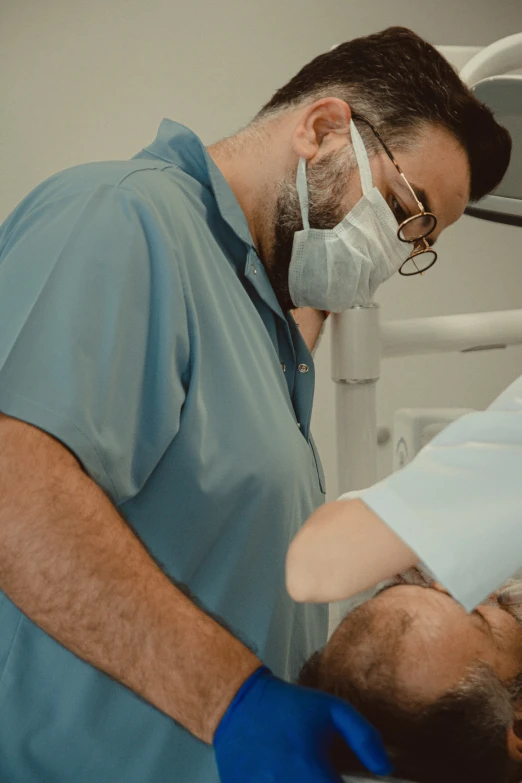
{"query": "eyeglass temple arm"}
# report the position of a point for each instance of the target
(419, 204)
(390, 155)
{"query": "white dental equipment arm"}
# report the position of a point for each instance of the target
(359, 340)
(449, 333)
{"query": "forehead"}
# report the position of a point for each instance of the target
(441, 642)
(423, 604)
(437, 620)
(438, 164)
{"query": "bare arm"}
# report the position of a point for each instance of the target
(342, 549)
(72, 564)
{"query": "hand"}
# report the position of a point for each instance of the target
(274, 732)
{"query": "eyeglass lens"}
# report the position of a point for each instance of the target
(417, 227)
(419, 263)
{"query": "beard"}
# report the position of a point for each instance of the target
(327, 185)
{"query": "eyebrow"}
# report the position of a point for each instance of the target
(423, 198)
(419, 192)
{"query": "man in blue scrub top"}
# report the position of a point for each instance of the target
(156, 397)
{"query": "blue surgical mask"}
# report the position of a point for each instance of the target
(335, 269)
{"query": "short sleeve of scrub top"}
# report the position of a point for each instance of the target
(458, 504)
(80, 345)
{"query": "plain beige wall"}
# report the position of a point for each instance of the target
(89, 81)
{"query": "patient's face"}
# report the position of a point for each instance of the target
(441, 640)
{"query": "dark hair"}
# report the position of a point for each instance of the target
(400, 82)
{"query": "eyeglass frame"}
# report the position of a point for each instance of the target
(422, 212)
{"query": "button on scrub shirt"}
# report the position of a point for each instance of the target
(139, 328)
(458, 504)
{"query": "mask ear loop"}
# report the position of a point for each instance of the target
(301, 185)
(362, 159)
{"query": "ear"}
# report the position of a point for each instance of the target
(323, 127)
(514, 739)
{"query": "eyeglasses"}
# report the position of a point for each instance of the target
(415, 228)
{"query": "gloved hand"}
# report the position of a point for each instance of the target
(274, 732)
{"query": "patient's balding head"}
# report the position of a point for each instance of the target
(441, 685)
(424, 642)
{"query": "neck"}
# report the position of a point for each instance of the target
(253, 161)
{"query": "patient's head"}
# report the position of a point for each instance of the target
(444, 687)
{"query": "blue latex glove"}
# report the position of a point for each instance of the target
(274, 732)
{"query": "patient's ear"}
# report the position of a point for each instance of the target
(515, 738)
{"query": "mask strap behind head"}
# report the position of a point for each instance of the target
(363, 161)
(301, 185)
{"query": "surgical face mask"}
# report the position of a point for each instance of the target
(335, 269)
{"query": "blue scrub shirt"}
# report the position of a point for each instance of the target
(138, 327)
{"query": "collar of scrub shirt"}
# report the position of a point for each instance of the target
(176, 144)
(179, 146)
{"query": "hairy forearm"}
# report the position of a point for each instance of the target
(342, 549)
(71, 564)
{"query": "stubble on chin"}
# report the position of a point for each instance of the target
(327, 184)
